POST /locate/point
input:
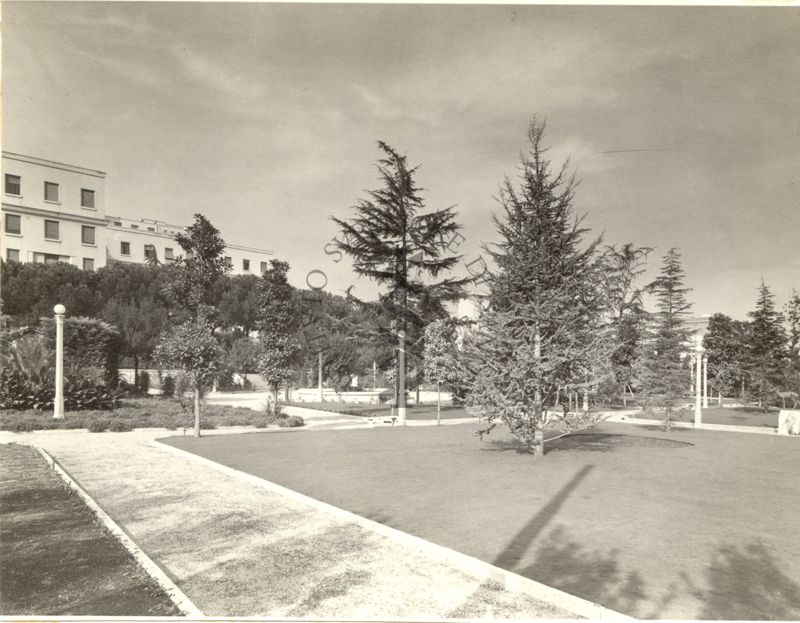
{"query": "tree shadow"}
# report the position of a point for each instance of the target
(595, 575)
(516, 548)
(746, 583)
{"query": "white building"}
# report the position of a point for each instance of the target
(55, 212)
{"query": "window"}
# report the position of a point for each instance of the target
(118, 223)
(87, 234)
(13, 224)
(263, 267)
(12, 255)
(13, 185)
(169, 253)
(151, 229)
(245, 264)
(149, 252)
(125, 248)
(88, 263)
(51, 192)
(51, 230)
(134, 227)
(87, 198)
(50, 258)
(228, 262)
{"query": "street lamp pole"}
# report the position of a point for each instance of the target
(401, 379)
(705, 382)
(58, 402)
(698, 378)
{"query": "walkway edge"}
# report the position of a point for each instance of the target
(151, 568)
(728, 428)
(467, 564)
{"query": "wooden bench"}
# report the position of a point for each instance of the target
(382, 420)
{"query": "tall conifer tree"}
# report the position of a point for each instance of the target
(767, 347)
(665, 358)
(539, 334)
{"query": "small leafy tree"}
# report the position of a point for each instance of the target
(540, 334)
(442, 363)
(140, 323)
(662, 374)
(191, 347)
(277, 326)
(194, 274)
(626, 315)
(725, 343)
(767, 347)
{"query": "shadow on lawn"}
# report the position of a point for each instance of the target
(565, 564)
(745, 583)
(587, 442)
(516, 548)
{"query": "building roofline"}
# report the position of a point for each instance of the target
(54, 164)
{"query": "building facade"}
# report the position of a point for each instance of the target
(56, 212)
(53, 212)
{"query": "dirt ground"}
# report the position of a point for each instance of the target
(55, 558)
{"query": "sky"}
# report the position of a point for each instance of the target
(681, 123)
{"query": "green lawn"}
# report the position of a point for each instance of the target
(685, 525)
(736, 416)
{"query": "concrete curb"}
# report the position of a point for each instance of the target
(467, 564)
(152, 569)
(730, 428)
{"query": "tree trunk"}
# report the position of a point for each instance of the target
(196, 411)
(136, 374)
(275, 401)
(438, 403)
(538, 431)
(417, 391)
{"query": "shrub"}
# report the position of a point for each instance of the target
(81, 394)
(168, 387)
(120, 426)
(144, 382)
(290, 421)
(88, 343)
(98, 426)
(17, 391)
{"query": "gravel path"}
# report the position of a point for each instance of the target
(237, 550)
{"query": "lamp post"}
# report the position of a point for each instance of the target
(319, 377)
(705, 382)
(401, 378)
(698, 378)
(58, 402)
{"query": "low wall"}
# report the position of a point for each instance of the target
(369, 397)
(789, 422)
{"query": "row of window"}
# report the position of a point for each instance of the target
(245, 264)
(14, 187)
(52, 229)
(12, 255)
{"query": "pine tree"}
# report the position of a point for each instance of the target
(767, 352)
(539, 335)
(663, 376)
(392, 241)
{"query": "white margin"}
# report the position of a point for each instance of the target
(467, 564)
(152, 569)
